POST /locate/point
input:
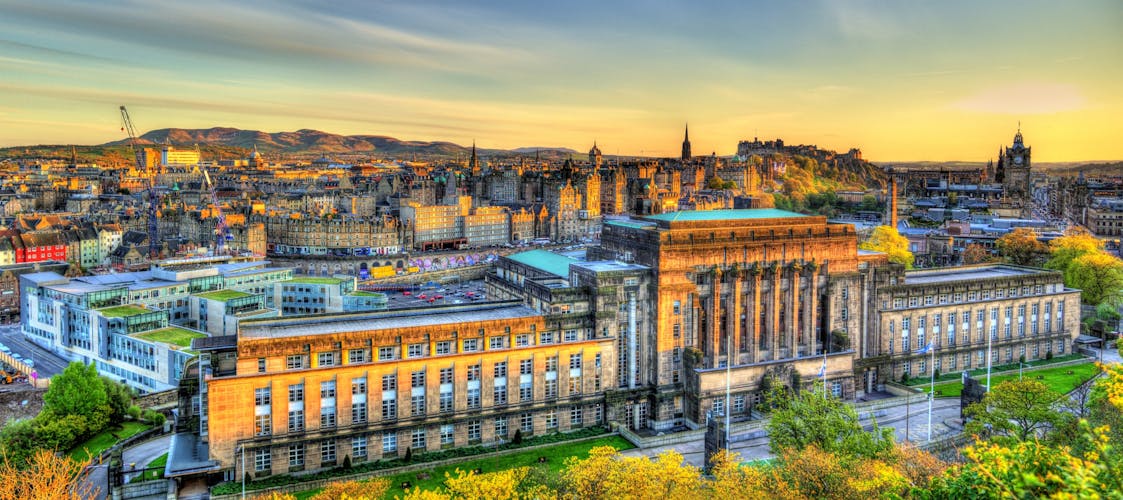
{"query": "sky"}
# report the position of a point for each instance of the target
(902, 80)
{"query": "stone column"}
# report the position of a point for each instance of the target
(715, 314)
(774, 314)
(796, 321)
(735, 354)
(754, 318)
(813, 307)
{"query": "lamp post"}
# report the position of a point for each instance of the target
(243, 450)
(990, 351)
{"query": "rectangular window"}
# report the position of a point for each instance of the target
(416, 350)
(296, 393)
(526, 367)
(327, 389)
(526, 422)
(359, 413)
(357, 356)
(417, 405)
(296, 455)
(575, 416)
(547, 338)
(327, 451)
(263, 424)
(327, 358)
(295, 362)
(417, 439)
(552, 419)
(499, 395)
(327, 417)
(358, 447)
(261, 396)
(501, 427)
(500, 369)
(471, 345)
(474, 433)
(389, 442)
(444, 347)
(446, 376)
(719, 406)
(262, 460)
(359, 386)
(677, 308)
(389, 409)
(522, 340)
(497, 343)
(473, 372)
(385, 353)
(445, 400)
(296, 420)
(447, 433)
(260, 365)
(417, 379)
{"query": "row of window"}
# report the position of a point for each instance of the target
(959, 323)
(419, 437)
(963, 361)
(972, 296)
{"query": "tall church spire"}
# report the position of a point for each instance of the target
(686, 144)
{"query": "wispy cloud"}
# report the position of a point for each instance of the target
(1027, 98)
(865, 19)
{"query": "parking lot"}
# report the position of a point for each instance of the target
(47, 364)
(449, 293)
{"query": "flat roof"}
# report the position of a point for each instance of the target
(172, 335)
(968, 274)
(544, 260)
(222, 295)
(600, 266)
(723, 214)
(326, 324)
(122, 311)
(314, 280)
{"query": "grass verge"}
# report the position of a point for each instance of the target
(1060, 379)
(104, 439)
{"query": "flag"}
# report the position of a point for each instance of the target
(925, 349)
(823, 369)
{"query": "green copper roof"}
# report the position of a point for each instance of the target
(736, 214)
(550, 262)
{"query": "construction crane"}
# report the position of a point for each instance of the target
(221, 231)
(153, 198)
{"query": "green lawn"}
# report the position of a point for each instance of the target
(104, 439)
(171, 335)
(222, 295)
(556, 455)
(363, 293)
(160, 461)
(122, 311)
(1057, 378)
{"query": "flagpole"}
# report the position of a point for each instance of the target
(931, 390)
(990, 337)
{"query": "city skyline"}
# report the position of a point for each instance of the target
(901, 81)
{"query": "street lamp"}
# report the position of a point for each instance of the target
(243, 450)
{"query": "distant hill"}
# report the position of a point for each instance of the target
(315, 141)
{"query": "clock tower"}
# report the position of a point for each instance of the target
(1016, 181)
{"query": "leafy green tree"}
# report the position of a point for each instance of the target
(1015, 410)
(1099, 276)
(1020, 246)
(886, 239)
(119, 397)
(815, 417)
(78, 390)
(1067, 248)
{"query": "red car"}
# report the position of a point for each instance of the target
(422, 296)
(407, 292)
(432, 299)
(438, 296)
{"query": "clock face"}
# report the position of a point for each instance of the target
(1017, 160)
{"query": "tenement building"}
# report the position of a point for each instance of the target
(639, 331)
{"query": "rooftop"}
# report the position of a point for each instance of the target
(388, 320)
(311, 280)
(171, 335)
(122, 311)
(601, 266)
(544, 260)
(725, 214)
(970, 273)
(361, 293)
(222, 295)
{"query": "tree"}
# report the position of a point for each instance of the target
(606, 474)
(48, 476)
(817, 418)
(119, 397)
(78, 390)
(715, 182)
(1099, 276)
(1075, 242)
(1020, 246)
(1015, 410)
(976, 254)
(886, 239)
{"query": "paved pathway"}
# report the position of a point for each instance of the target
(140, 455)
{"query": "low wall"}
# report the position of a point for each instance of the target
(158, 400)
(320, 483)
(141, 489)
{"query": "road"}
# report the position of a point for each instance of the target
(138, 455)
(47, 364)
(945, 422)
(452, 294)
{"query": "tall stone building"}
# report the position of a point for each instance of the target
(1013, 172)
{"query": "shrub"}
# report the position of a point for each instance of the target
(936, 373)
(409, 454)
(154, 417)
(346, 461)
(518, 439)
(905, 378)
(134, 412)
(1049, 355)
